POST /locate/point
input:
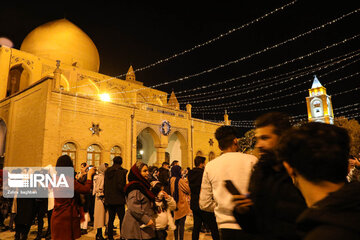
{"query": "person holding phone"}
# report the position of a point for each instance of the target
(67, 214)
(230, 165)
(274, 203)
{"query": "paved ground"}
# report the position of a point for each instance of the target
(7, 235)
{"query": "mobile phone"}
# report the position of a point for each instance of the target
(231, 187)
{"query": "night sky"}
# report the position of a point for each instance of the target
(143, 33)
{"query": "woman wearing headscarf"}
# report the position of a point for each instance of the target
(99, 208)
(139, 218)
(180, 191)
(65, 219)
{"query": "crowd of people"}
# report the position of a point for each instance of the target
(303, 185)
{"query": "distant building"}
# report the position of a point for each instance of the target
(319, 104)
(53, 101)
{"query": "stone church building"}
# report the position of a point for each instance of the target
(54, 101)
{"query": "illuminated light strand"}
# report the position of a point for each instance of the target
(279, 91)
(273, 67)
(213, 39)
(299, 74)
(217, 106)
(292, 118)
(261, 88)
(222, 35)
(243, 58)
(274, 107)
(275, 83)
(258, 52)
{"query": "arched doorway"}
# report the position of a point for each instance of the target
(19, 79)
(145, 146)
(2, 141)
(177, 149)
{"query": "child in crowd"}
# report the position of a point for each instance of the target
(164, 204)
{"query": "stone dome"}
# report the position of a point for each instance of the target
(64, 41)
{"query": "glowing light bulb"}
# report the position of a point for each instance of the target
(105, 97)
(141, 152)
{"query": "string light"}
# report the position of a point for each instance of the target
(222, 35)
(269, 68)
(246, 57)
(279, 106)
(292, 118)
(214, 106)
(258, 52)
(271, 93)
(264, 81)
(213, 39)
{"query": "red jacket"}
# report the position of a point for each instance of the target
(65, 219)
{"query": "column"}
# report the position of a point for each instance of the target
(160, 156)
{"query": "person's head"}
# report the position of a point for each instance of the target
(316, 153)
(143, 169)
(63, 161)
(156, 188)
(101, 169)
(117, 160)
(226, 137)
(165, 165)
(176, 171)
(268, 129)
(199, 161)
(153, 171)
(83, 167)
(174, 163)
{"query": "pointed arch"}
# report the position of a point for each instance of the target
(140, 98)
(117, 96)
(87, 86)
(146, 142)
(19, 78)
(178, 149)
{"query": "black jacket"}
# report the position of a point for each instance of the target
(335, 217)
(195, 178)
(277, 203)
(114, 183)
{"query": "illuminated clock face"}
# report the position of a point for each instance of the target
(316, 108)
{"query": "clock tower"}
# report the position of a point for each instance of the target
(319, 104)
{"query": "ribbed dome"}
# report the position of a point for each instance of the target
(64, 41)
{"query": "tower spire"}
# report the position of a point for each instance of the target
(316, 83)
(173, 102)
(130, 75)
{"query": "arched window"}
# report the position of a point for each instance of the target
(69, 149)
(94, 155)
(211, 156)
(115, 151)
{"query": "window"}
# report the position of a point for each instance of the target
(69, 149)
(94, 155)
(115, 151)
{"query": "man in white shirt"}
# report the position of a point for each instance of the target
(231, 165)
